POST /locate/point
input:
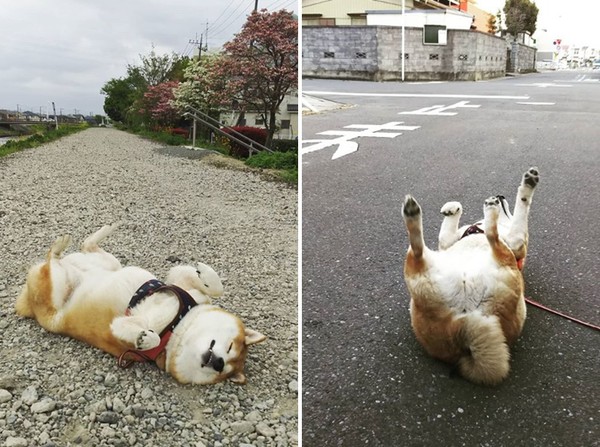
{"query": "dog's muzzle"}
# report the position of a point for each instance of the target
(210, 359)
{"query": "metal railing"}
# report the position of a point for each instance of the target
(233, 135)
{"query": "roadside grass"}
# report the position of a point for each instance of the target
(42, 136)
(285, 164)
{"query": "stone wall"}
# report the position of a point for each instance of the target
(522, 58)
(374, 53)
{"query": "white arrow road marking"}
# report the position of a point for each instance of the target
(345, 146)
(440, 110)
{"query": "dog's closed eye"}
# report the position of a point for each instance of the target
(230, 346)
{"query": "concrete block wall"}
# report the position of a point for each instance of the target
(468, 55)
(522, 58)
(346, 52)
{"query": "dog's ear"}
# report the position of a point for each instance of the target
(238, 378)
(253, 337)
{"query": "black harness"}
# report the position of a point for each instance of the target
(186, 302)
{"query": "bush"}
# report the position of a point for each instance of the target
(254, 133)
(285, 145)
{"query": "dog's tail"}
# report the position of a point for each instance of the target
(486, 355)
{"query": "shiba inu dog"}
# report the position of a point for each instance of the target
(467, 304)
(89, 296)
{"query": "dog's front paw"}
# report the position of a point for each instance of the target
(410, 208)
(531, 177)
(147, 339)
(451, 209)
(493, 201)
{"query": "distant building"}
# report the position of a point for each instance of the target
(346, 13)
(287, 118)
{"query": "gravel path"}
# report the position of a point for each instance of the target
(58, 392)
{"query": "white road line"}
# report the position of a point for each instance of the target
(537, 103)
(441, 110)
(542, 85)
(414, 95)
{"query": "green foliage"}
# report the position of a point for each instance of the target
(164, 137)
(286, 163)
(520, 16)
(40, 138)
(274, 160)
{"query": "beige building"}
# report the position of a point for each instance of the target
(354, 12)
(287, 118)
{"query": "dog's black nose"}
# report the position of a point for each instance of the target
(218, 364)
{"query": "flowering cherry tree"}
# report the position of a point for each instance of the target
(157, 103)
(260, 65)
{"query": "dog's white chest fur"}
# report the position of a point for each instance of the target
(463, 279)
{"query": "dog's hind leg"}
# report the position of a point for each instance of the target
(412, 218)
(91, 247)
(517, 236)
(134, 331)
(46, 289)
(500, 251)
(449, 230)
(90, 244)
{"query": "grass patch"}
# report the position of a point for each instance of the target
(285, 164)
(39, 138)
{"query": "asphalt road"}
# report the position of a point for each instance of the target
(366, 380)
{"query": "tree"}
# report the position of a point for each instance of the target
(199, 85)
(260, 65)
(520, 16)
(121, 94)
(156, 69)
(157, 103)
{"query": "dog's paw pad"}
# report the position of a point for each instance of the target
(531, 177)
(410, 208)
(147, 339)
(451, 209)
(492, 202)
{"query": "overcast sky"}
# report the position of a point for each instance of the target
(575, 22)
(66, 50)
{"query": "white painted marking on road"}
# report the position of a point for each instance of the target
(441, 110)
(345, 146)
(537, 103)
(543, 85)
(414, 95)
(308, 105)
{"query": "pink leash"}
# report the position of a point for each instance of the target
(555, 312)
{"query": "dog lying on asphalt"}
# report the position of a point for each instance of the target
(89, 296)
(467, 304)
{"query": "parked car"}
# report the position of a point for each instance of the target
(596, 65)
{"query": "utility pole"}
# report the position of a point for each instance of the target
(199, 43)
(255, 5)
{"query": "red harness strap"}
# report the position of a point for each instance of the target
(186, 302)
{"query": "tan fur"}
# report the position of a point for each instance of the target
(467, 304)
(84, 296)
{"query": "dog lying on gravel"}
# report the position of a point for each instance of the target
(467, 303)
(89, 296)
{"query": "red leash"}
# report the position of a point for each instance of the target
(555, 312)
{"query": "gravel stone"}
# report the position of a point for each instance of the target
(171, 210)
(5, 396)
(15, 442)
(30, 395)
(242, 427)
(264, 430)
(44, 406)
